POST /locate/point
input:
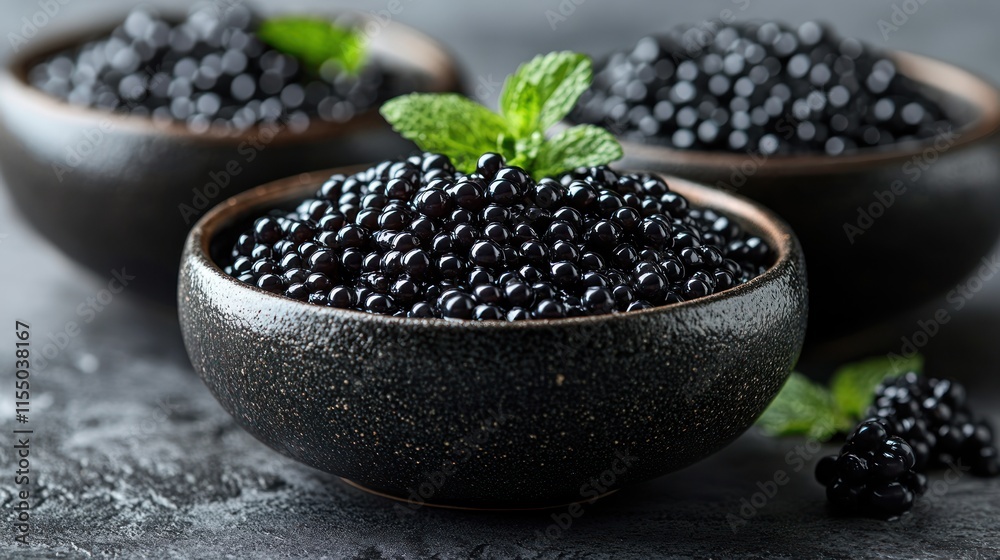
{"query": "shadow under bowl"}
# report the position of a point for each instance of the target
(491, 414)
(113, 190)
(883, 231)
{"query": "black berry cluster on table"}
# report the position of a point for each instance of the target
(934, 417)
(916, 424)
(416, 238)
(874, 473)
(209, 71)
(765, 88)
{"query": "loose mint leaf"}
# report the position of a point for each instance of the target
(579, 146)
(448, 123)
(543, 91)
(315, 41)
(803, 408)
(854, 385)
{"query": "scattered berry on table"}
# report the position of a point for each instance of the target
(873, 475)
(416, 238)
(916, 424)
(758, 87)
(933, 415)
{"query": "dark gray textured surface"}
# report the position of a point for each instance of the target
(137, 460)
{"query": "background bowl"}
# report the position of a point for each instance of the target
(491, 415)
(108, 189)
(909, 245)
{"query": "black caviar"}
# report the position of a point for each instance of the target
(416, 238)
(758, 87)
(873, 475)
(210, 71)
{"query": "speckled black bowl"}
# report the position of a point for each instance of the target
(907, 246)
(114, 190)
(491, 414)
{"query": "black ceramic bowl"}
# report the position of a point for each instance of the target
(904, 247)
(491, 414)
(108, 189)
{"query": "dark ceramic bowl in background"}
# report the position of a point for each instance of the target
(117, 203)
(918, 246)
(490, 414)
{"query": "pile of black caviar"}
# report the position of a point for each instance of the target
(209, 70)
(760, 87)
(416, 238)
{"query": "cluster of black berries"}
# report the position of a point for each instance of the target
(873, 475)
(415, 238)
(934, 417)
(208, 71)
(763, 87)
(916, 424)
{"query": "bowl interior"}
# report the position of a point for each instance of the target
(398, 48)
(212, 239)
(971, 104)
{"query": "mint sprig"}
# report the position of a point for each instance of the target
(449, 124)
(535, 98)
(809, 409)
(316, 41)
(543, 91)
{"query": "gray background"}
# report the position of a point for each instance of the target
(137, 460)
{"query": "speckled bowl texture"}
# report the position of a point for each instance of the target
(883, 231)
(491, 414)
(113, 190)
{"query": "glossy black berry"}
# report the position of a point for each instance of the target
(934, 417)
(416, 238)
(758, 87)
(873, 475)
(211, 70)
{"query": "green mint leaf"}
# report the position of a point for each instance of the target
(315, 41)
(449, 124)
(543, 91)
(579, 146)
(803, 408)
(854, 385)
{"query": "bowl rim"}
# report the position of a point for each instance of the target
(925, 70)
(750, 215)
(420, 51)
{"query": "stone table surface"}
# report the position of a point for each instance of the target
(133, 458)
